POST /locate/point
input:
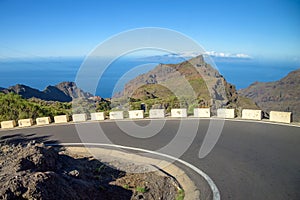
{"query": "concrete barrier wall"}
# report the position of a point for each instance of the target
(201, 112)
(251, 114)
(277, 116)
(43, 120)
(61, 119)
(116, 115)
(79, 117)
(157, 113)
(225, 113)
(136, 114)
(25, 122)
(8, 124)
(180, 112)
(97, 116)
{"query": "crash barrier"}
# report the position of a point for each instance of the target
(98, 116)
(8, 124)
(202, 112)
(178, 112)
(251, 114)
(25, 122)
(157, 113)
(136, 114)
(43, 121)
(275, 116)
(284, 117)
(116, 115)
(79, 117)
(61, 119)
(226, 113)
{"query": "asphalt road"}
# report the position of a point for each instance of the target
(249, 161)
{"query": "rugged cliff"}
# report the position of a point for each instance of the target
(281, 95)
(192, 83)
(63, 92)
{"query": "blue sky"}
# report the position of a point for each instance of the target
(261, 29)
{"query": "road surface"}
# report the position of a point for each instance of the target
(250, 160)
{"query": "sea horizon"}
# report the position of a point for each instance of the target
(40, 72)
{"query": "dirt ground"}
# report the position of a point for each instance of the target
(33, 171)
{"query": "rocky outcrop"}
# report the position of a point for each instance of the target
(194, 80)
(281, 95)
(71, 90)
(63, 92)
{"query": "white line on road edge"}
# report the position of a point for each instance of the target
(212, 185)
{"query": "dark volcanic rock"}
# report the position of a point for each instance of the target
(282, 95)
(70, 89)
(63, 92)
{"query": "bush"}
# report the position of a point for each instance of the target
(14, 107)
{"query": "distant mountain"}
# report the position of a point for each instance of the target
(63, 92)
(167, 81)
(282, 95)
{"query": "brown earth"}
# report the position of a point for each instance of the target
(34, 171)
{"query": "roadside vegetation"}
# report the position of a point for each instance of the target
(14, 107)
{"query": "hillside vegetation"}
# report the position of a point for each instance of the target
(14, 107)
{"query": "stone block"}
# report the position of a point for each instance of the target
(61, 119)
(8, 124)
(179, 112)
(98, 116)
(225, 113)
(79, 117)
(251, 114)
(202, 112)
(116, 115)
(25, 122)
(157, 113)
(136, 114)
(43, 120)
(284, 117)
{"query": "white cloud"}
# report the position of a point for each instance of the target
(209, 53)
(227, 55)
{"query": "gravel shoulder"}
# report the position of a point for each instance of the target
(33, 171)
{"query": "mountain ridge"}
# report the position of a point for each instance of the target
(280, 95)
(196, 82)
(62, 92)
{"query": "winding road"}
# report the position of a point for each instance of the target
(251, 160)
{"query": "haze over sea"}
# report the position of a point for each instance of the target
(39, 73)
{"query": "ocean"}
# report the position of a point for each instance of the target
(39, 73)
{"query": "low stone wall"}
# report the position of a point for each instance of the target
(116, 115)
(251, 114)
(79, 117)
(98, 116)
(43, 120)
(61, 119)
(25, 122)
(226, 113)
(284, 117)
(202, 112)
(136, 114)
(157, 113)
(180, 112)
(8, 124)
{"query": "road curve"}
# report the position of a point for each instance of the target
(249, 161)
